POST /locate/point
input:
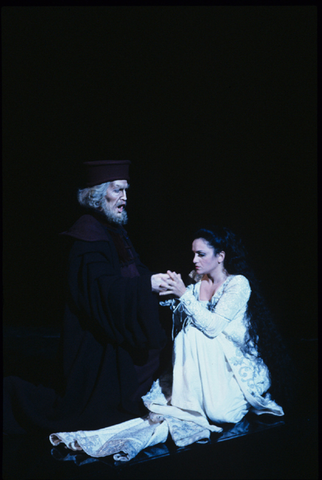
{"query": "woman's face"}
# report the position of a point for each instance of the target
(205, 260)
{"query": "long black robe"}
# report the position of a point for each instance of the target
(110, 342)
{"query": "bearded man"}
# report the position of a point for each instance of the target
(112, 337)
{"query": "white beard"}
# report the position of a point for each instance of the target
(112, 217)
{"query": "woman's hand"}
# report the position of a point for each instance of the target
(159, 282)
(175, 285)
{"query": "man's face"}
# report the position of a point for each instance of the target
(115, 202)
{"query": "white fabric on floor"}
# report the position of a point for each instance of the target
(125, 440)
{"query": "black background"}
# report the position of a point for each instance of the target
(216, 109)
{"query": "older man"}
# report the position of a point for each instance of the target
(112, 337)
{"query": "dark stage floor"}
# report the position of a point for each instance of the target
(263, 447)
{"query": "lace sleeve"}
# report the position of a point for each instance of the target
(234, 298)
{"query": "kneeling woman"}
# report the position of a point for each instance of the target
(224, 338)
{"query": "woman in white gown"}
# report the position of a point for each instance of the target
(217, 369)
(225, 346)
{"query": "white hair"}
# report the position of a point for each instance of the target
(92, 197)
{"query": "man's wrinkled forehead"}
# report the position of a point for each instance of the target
(119, 184)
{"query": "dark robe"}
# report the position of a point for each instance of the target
(110, 342)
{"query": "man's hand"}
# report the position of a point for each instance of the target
(175, 285)
(159, 282)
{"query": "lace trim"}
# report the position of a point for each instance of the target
(180, 318)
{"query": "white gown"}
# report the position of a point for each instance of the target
(211, 373)
(213, 379)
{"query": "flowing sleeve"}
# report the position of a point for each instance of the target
(233, 299)
(125, 309)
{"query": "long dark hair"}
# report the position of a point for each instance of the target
(262, 330)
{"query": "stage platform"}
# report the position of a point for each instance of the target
(258, 447)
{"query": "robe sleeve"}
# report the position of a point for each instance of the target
(142, 269)
(125, 309)
(233, 299)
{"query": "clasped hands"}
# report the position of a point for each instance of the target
(169, 283)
